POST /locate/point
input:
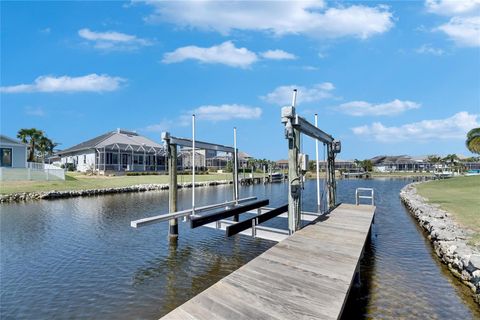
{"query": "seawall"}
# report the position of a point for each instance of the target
(54, 194)
(449, 240)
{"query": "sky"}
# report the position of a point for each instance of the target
(384, 77)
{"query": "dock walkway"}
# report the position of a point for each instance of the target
(306, 276)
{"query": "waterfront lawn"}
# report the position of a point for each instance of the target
(78, 181)
(459, 196)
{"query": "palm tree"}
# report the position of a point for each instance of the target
(45, 146)
(473, 140)
(434, 159)
(30, 136)
(451, 158)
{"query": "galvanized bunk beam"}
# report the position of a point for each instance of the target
(200, 221)
(248, 223)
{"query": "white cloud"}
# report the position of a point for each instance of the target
(362, 108)
(452, 7)
(464, 25)
(225, 53)
(211, 113)
(311, 17)
(278, 55)
(429, 49)
(309, 68)
(34, 111)
(283, 95)
(454, 127)
(89, 83)
(112, 40)
(464, 31)
(164, 125)
(227, 112)
(46, 30)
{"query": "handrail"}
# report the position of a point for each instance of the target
(358, 195)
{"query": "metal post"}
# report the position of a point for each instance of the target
(294, 186)
(173, 188)
(317, 166)
(104, 161)
(235, 165)
(118, 160)
(331, 176)
(193, 164)
(235, 170)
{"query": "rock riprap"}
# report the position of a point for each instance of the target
(450, 240)
(54, 194)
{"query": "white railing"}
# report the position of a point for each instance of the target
(34, 171)
(358, 195)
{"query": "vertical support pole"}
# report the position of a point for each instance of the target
(172, 188)
(294, 187)
(235, 171)
(264, 177)
(193, 164)
(235, 166)
(104, 162)
(331, 196)
(118, 158)
(317, 165)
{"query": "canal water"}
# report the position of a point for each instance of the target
(79, 258)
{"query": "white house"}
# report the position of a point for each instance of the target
(13, 153)
(115, 151)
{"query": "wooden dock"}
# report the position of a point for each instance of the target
(306, 276)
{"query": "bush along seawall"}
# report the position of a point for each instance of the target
(450, 240)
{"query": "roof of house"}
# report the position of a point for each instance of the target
(117, 139)
(243, 155)
(11, 141)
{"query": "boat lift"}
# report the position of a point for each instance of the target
(219, 219)
(298, 162)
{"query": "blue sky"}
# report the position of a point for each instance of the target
(384, 77)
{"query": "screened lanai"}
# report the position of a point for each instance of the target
(128, 151)
(118, 151)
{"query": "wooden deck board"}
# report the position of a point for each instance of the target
(306, 276)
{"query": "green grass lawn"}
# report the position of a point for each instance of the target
(77, 181)
(459, 196)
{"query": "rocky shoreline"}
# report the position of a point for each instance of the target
(449, 240)
(54, 194)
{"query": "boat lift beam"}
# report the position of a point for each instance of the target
(184, 142)
(253, 222)
(183, 213)
(202, 220)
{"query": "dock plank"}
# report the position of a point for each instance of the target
(306, 276)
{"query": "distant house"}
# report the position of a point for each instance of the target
(13, 153)
(400, 163)
(282, 164)
(115, 151)
(202, 157)
(211, 159)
